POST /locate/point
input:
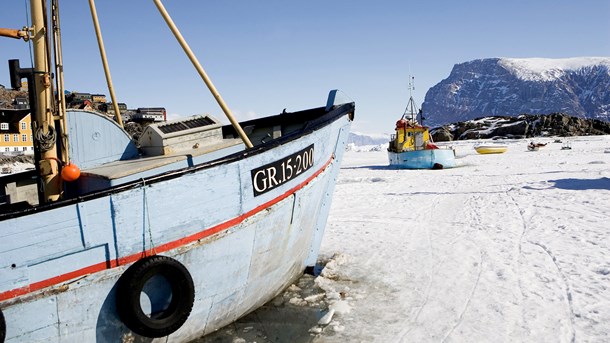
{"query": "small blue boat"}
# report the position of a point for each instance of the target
(412, 146)
(423, 159)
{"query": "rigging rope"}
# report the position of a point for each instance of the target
(46, 141)
(146, 220)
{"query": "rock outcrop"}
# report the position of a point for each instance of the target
(522, 126)
(7, 97)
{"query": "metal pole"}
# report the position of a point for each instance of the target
(48, 166)
(202, 73)
(61, 97)
(100, 43)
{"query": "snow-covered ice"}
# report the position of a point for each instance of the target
(512, 247)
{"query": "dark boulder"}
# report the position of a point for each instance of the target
(441, 134)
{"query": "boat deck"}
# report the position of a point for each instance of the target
(183, 159)
(124, 171)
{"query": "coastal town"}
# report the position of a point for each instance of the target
(17, 137)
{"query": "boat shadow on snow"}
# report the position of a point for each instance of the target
(582, 184)
(394, 167)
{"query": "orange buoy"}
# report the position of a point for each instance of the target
(70, 172)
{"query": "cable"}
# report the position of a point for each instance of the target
(46, 141)
(27, 21)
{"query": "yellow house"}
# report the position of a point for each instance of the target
(16, 135)
(98, 97)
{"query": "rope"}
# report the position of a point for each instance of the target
(147, 221)
(27, 21)
(46, 141)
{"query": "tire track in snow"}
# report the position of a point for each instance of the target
(520, 254)
(433, 271)
(553, 259)
(474, 288)
(476, 223)
(498, 232)
(523, 221)
(429, 276)
(428, 291)
(566, 284)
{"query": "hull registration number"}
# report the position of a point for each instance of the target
(276, 173)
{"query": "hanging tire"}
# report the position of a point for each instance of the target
(2, 328)
(130, 287)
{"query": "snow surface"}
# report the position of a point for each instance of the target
(547, 69)
(511, 247)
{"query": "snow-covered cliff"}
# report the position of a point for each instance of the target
(511, 86)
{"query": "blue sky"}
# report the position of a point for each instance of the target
(264, 56)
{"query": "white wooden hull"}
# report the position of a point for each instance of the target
(60, 265)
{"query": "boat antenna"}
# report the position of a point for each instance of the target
(411, 109)
(202, 72)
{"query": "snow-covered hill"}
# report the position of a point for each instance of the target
(367, 142)
(360, 139)
(511, 86)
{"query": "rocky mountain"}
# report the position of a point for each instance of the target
(579, 87)
(522, 126)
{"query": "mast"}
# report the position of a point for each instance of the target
(44, 126)
(411, 109)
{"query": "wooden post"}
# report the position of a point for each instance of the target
(202, 73)
(11, 33)
(100, 43)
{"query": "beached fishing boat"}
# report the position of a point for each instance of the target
(491, 148)
(165, 240)
(412, 146)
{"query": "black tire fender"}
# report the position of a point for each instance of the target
(129, 289)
